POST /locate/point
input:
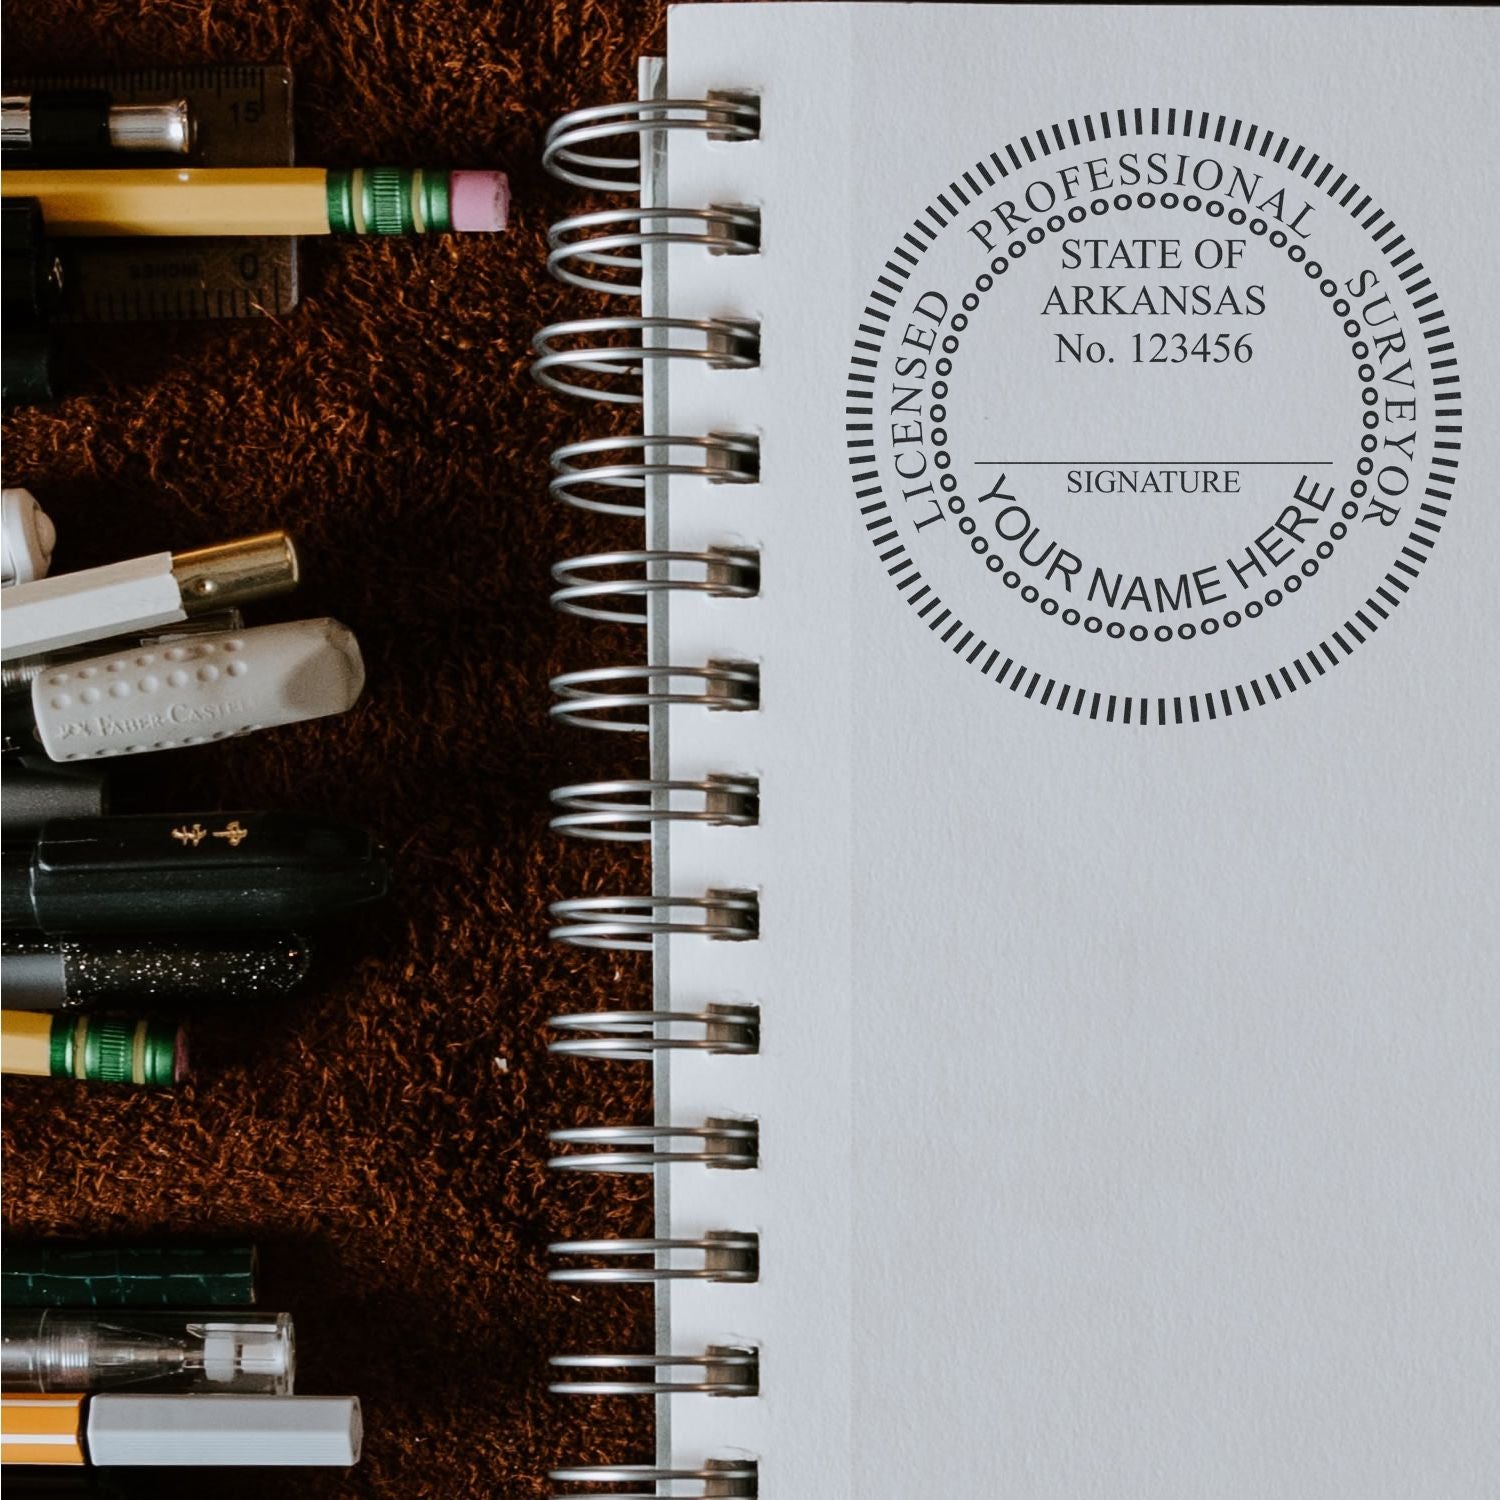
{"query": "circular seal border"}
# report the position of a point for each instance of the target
(1028, 151)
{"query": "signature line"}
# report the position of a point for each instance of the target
(1156, 463)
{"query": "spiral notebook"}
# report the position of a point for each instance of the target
(1060, 526)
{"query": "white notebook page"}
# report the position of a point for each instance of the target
(1127, 1090)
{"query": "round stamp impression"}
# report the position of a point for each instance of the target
(1153, 417)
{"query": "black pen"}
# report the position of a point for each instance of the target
(31, 273)
(64, 125)
(31, 280)
(28, 368)
(59, 973)
(34, 793)
(194, 872)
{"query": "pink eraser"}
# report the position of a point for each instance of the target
(478, 202)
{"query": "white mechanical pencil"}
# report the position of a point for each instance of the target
(122, 598)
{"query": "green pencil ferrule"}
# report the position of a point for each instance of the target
(60, 1046)
(388, 200)
(107, 1050)
(110, 1049)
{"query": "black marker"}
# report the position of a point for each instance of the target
(194, 872)
(31, 274)
(31, 280)
(54, 973)
(28, 373)
(35, 794)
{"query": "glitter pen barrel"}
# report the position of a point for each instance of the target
(67, 974)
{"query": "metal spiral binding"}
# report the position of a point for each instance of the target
(721, 459)
(577, 241)
(718, 1479)
(624, 812)
(605, 360)
(718, 1371)
(615, 350)
(724, 119)
(632, 923)
(722, 1256)
(637, 1035)
(595, 697)
(729, 572)
(729, 1145)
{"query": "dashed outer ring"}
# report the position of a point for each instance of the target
(1031, 683)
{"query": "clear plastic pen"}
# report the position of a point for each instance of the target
(58, 1349)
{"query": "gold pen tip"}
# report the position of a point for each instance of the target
(234, 573)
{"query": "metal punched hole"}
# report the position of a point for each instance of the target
(738, 105)
(735, 685)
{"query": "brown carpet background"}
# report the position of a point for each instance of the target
(366, 1133)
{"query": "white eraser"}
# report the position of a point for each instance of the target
(224, 1431)
(196, 689)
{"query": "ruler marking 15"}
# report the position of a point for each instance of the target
(244, 116)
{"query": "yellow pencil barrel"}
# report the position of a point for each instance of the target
(193, 201)
(38, 1429)
(174, 201)
(26, 1042)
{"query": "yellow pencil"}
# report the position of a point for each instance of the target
(37, 1429)
(164, 201)
(102, 1049)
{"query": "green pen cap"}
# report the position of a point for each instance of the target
(129, 1276)
(115, 1049)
